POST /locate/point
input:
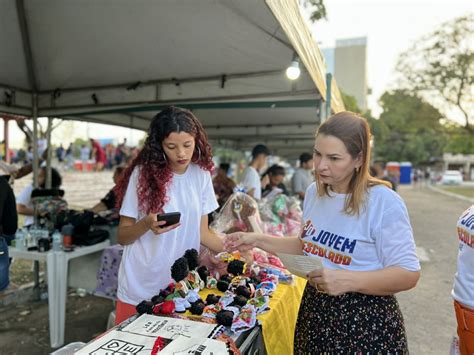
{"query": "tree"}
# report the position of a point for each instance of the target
(460, 141)
(350, 103)
(317, 8)
(440, 67)
(409, 129)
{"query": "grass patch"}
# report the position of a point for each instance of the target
(467, 191)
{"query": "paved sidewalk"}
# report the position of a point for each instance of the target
(428, 309)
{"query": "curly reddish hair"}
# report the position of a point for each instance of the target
(155, 178)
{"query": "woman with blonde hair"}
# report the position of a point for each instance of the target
(360, 230)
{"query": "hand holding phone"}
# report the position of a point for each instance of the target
(170, 218)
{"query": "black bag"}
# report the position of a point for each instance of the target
(94, 236)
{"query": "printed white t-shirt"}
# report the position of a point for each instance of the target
(380, 237)
(251, 180)
(463, 289)
(146, 263)
(24, 198)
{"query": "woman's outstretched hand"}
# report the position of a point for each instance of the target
(156, 227)
(240, 241)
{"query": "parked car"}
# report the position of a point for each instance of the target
(451, 177)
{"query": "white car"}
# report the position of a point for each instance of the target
(451, 177)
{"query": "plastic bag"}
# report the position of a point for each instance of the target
(239, 214)
(281, 215)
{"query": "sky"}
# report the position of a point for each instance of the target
(391, 27)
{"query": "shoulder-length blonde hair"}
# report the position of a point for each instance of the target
(353, 130)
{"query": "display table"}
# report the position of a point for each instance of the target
(57, 272)
(277, 325)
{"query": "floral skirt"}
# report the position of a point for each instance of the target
(352, 323)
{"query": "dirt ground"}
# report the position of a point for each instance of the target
(24, 329)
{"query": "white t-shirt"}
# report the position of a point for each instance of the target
(85, 153)
(463, 289)
(381, 236)
(251, 180)
(146, 263)
(24, 198)
(301, 179)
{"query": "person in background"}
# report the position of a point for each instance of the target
(69, 157)
(360, 231)
(463, 288)
(276, 175)
(109, 200)
(223, 184)
(60, 153)
(170, 174)
(24, 204)
(251, 177)
(8, 227)
(85, 156)
(99, 155)
(29, 154)
(303, 176)
(379, 169)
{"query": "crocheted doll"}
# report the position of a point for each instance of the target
(179, 273)
(193, 277)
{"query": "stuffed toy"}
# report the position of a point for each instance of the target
(145, 307)
(246, 319)
(197, 308)
(165, 307)
(225, 317)
(236, 267)
(179, 273)
(193, 277)
(239, 301)
(203, 272)
(212, 299)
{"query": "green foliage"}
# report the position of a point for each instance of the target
(317, 8)
(409, 129)
(350, 103)
(440, 67)
(460, 141)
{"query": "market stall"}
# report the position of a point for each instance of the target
(274, 328)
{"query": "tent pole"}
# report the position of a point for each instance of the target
(50, 153)
(34, 105)
(328, 94)
(6, 140)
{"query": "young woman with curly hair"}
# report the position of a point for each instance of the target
(170, 174)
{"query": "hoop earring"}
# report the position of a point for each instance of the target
(199, 155)
(164, 157)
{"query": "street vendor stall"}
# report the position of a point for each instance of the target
(275, 328)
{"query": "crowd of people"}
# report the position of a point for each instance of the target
(353, 221)
(90, 155)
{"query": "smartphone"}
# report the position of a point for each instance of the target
(170, 218)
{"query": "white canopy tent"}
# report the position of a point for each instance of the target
(118, 62)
